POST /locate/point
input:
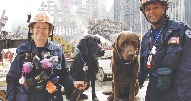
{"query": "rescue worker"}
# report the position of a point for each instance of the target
(40, 67)
(165, 55)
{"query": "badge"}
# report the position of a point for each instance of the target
(85, 68)
(153, 50)
(149, 61)
(173, 40)
(54, 58)
(188, 33)
(45, 54)
(50, 87)
(22, 80)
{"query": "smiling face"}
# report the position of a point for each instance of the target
(40, 32)
(154, 12)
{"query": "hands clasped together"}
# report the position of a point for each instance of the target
(81, 85)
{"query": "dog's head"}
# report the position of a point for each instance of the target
(127, 45)
(91, 45)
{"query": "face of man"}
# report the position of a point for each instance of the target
(154, 12)
(40, 31)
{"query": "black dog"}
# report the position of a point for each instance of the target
(85, 65)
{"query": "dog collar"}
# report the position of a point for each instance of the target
(131, 62)
(128, 63)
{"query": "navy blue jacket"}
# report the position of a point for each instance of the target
(175, 56)
(17, 92)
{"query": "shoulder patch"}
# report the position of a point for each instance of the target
(188, 33)
(173, 40)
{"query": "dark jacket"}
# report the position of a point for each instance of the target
(175, 56)
(17, 92)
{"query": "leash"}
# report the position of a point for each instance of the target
(77, 91)
(83, 60)
(85, 68)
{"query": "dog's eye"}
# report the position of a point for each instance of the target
(134, 44)
(98, 41)
(93, 42)
(125, 43)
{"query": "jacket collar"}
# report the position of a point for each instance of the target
(171, 26)
(48, 46)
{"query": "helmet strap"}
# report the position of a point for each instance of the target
(52, 33)
(29, 58)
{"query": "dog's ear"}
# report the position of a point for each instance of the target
(82, 46)
(115, 47)
(138, 46)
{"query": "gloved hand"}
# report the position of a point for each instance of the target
(81, 85)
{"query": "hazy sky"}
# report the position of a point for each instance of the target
(17, 10)
(109, 4)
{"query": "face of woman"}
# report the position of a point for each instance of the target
(40, 32)
(154, 12)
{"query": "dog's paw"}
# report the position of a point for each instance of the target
(107, 92)
(83, 96)
(95, 99)
(110, 98)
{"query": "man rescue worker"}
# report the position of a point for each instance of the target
(40, 66)
(165, 55)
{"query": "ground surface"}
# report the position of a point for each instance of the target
(106, 86)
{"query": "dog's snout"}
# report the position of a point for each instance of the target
(131, 54)
(102, 51)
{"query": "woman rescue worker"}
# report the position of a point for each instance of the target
(40, 66)
(165, 55)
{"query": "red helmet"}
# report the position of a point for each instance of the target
(143, 2)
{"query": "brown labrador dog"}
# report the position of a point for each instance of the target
(125, 66)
